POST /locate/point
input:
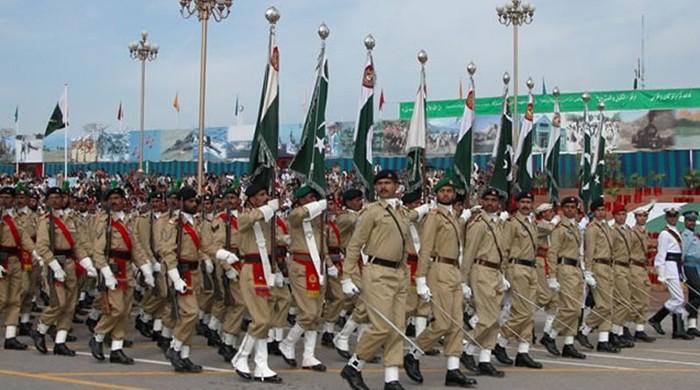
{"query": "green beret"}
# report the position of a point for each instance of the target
(445, 181)
(303, 191)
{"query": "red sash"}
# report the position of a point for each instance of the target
(121, 275)
(122, 232)
(231, 219)
(79, 270)
(313, 285)
(25, 258)
(335, 230)
(187, 278)
(282, 226)
(192, 233)
(259, 283)
(412, 262)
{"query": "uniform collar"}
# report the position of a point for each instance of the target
(119, 215)
(671, 228)
(157, 214)
(447, 208)
(393, 202)
(188, 217)
(24, 210)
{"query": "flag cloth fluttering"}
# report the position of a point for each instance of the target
(176, 103)
(120, 112)
(552, 155)
(59, 117)
(503, 153)
(598, 163)
(463, 153)
(415, 139)
(585, 171)
(364, 128)
(523, 152)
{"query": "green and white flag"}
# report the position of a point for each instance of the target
(552, 156)
(502, 155)
(309, 162)
(463, 154)
(263, 154)
(585, 173)
(364, 129)
(415, 139)
(523, 150)
(598, 163)
(59, 117)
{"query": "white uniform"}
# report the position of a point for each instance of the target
(668, 245)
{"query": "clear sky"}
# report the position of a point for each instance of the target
(576, 45)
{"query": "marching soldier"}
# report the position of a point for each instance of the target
(116, 249)
(521, 245)
(484, 256)
(622, 309)
(258, 275)
(60, 246)
(306, 275)
(29, 260)
(668, 262)
(335, 300)
(181, 244)
(547, 295)
(639, 275)
(208, 324)
(565, 272)
(383, 232)
(691, 261)
(599, 276)
(439, 262)
(281, 295)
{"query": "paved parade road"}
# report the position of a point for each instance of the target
(666, 364)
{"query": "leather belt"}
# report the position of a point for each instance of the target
(333, 250)
(673, 257)
(639, 263)
(385, 263)
(301, 257)
(447, 260)
(525, 262)
(412, 258)
(252, 258)
(187, 265)
(63, 252)
(487, 264)
(9, 250)
(567, 261)
(626, 265)
(122, 255)
(603, 261)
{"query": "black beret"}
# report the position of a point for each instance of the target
(460, 197)
(54, 190)
(118, 191)
(410, 197)
(156, 195)
(386, 174)
(569, 200)
(352, 194)
(220, 195)
(208, 197)
(8, 191)
(81, 199)
(254, 188)
(596, 204)
(186, 193)
(230, 190)
(691, 215)
(525, 195)
(491, 191)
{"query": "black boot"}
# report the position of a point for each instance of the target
(163, 343)
(25, 329)
(606, 346)
(411, 330)
(191, 367)
(201, 329)
(524, 360)
(76, 319)
(455, 378)
(96, 349)
(432, 352)
(642, 336)
(353, 377)
(627, 335)
(693, 332)
(227, 352)
(15, 344)
(655, 320)
(570, 351)
(394, 385)
(583, 340)
(155, 335)
(412, 367)
(213, 339)
(175, 360)
(343, 354)
(90, 323)
(550, 344)
(62, 349)
(502, 356)
(39, 341)
(614, 340)
(468, 362)
(487, 369)
(144, 328)
(118, 356)
(622, 342)
(679, 329)
(327, 339)
(273, 348)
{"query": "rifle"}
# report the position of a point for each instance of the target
(172, 294)
(152, 245)
(228, 301)
(101, 286)
(53, 296)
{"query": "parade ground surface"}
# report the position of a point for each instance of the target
(665, 364)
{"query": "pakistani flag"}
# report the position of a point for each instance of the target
(552, 156)
(263, 155)
(463, 154)
(309, 162)
(585, 173)
(59, 117)
(364, 129)
(523, 151)
(415, 139)
(598, 164)
(503, 153)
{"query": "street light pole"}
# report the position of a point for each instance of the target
(143, 51)
(515, 13)
(219, 10)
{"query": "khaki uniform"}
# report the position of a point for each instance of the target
(281, 296)
(124, 249)
(303, 277)
(484, 255)
(11, 284)
(346, 224)
(438, 260)
(563, 259)
(621, 256)
(414, 305)
(154, 300)
(31, 278)
(187, 265)
(598, 258)
(205, 296)
(639, 278)
(546, 297)
(383, 232)
(521, 234)
(335, 299)
(60, 312)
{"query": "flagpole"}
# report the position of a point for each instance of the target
(65, 134)
(17, 133)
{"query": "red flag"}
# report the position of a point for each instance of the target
(381, 100)
(120, 112)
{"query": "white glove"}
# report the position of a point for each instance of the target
(156, 266)
(466, 214)
(36, 256)
(232, 274)
(58, 273)
(505, 284)
(422, 210)
(110, 280)
(147, 272)
(349, 287)
(661, 274)
(208, 266)
(422, 289)
(89, 268)
(589, 279)
(466, 291)
(224, 255)
(279, 279)
(473, 321)
(274, 204)
(269, 209)
(332, 271)
(3, 271)
(178, 284)
(504, 216)
(556, 220)
(553, 284)
(316, 208)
